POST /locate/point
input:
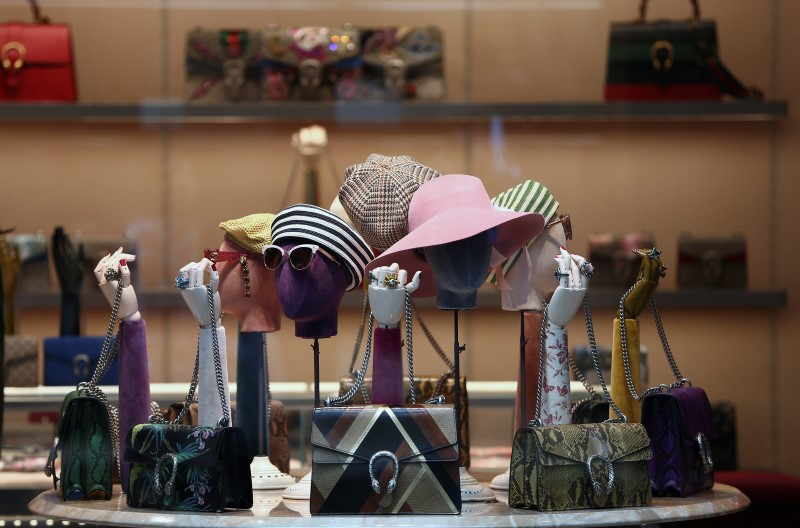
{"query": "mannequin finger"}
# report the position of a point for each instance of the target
(125, 273)
(414, 284)
(401, 278)
(100, 271)
(214, 278)
(382, 276)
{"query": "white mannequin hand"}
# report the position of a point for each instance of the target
(573, 281)
(194, 293)
(387, 293)
(118, 262)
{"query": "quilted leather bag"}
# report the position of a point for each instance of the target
(36, 62)
(313, 63)
(565, 467)
(187, 467)
(680, 423)
(385, 459)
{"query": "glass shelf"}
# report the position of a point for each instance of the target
(395, 112)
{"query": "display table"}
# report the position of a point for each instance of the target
(270, 510)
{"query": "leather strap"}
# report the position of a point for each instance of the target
(224, 256)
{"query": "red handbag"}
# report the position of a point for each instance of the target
(36, 62)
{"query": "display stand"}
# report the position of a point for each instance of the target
(269, 510)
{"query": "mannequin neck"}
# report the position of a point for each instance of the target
(317, 328)
(449, 300)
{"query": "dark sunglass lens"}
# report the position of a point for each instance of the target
(301, 257)
(273, 258)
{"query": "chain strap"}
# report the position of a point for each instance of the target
(266, 386)
(450, 372)
(626, 362)
(410, 349)
(360, 334)
(333, 401)
(542, 352)
(587, 315)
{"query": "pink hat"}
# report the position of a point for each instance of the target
(451, 208)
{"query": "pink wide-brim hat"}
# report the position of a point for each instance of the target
(450, 208)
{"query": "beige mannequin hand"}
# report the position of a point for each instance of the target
(387, 293)
(118, 264)
(195, 294)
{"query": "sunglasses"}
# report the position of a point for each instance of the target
(299, 256)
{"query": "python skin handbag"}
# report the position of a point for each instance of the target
(680, 424)
(579, 466)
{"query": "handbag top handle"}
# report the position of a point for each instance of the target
(587, 314)
(226, 412)
(695, 11)
(626, 363)
(38, 17)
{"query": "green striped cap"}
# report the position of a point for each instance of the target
(529, 196)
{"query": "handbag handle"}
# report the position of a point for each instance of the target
(38, 17)
(626, 361)
(587, 315)
(226, 414)
(695, 10)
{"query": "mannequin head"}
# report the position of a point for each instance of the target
(260, 312)
(532, 284)
(311, 297)
(459, 268)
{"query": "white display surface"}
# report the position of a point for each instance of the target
(270, 510)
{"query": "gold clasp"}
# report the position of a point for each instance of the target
(10, 63)
(660, 62)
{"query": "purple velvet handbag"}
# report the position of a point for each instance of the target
(680, 425)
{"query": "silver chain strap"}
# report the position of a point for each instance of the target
(331, 401)
(587, 314)
(266, 385)
(359, 335)
(626, 361)
(410, 350)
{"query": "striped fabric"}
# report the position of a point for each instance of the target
(306, 223)
(377, 193)
(528, 196)
(421, 438)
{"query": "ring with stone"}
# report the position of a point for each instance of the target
(391, 280)
(181, 282)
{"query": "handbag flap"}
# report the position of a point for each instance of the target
(328, 45)
(421, 433)
(193, 445)
(724, 248)
(65, 349)
(45, 44)
(576, 442)
(695, 409)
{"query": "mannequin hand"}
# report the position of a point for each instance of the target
(118, 263)
(194, 292)
(387, 293)
(650, 271)
(572, 288)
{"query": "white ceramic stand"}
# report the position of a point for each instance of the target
(266, 476)
(301, 490)
(500, 482)
(471, 489)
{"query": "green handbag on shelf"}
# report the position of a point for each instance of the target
(579, 466)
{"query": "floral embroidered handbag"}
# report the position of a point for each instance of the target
(190, 468)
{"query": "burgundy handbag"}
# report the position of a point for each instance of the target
(680, 424)
(36, 60)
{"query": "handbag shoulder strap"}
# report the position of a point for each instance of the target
(38, 17)
(587, 314)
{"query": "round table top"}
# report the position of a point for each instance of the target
(270, 510)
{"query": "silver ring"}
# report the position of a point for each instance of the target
(587, 269)
(181, 282)
(110, 274)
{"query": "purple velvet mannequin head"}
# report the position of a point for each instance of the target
(459, 268)
(311, 297)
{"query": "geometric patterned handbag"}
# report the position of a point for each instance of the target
(579, 466)
(21, 361)
(680, 424)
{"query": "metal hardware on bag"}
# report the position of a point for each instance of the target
(661, 62)
(169, 488)
(310, 71)
(376, 486)
(49, 468)
(395, 76)
(705, 452)
(80, 365)
(712, 267)
(234, 70)
(595, 484)
(436, 400)
(5, 55)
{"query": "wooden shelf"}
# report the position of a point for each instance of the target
(393, 112)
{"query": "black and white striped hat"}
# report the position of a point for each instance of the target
(309, 223)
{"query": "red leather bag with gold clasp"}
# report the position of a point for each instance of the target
(36, 62)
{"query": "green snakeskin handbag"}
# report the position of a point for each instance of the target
(567, 467)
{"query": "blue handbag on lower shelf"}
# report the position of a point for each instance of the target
(70, 360)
